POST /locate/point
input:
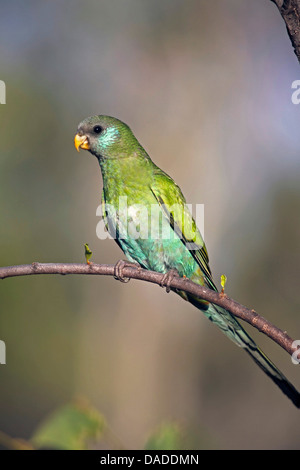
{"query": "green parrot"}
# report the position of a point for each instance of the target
(134, 189)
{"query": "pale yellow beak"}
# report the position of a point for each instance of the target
(81, 142)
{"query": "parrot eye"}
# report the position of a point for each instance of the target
(97, 129)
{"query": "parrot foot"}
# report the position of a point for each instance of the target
(168, 278)
(119, 266)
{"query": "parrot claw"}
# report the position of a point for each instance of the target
(119, 266)
(167, 279)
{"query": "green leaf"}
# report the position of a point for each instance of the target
(167, 437)
(223, 281)
(70, 427)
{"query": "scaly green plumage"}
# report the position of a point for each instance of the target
(168, 241)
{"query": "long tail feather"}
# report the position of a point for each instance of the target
(233, 329)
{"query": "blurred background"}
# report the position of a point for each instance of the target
(207, 91)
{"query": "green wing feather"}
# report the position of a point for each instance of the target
(173, 204)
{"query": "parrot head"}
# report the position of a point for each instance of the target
(105, 137)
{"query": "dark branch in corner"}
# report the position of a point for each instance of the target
(290, 12)
(240, 311)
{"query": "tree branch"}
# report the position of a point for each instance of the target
(240, 311)
(290, 12)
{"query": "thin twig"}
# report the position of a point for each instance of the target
(240, 311)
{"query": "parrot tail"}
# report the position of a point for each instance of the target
(233, 329)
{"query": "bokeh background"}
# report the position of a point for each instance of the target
(207, 91)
